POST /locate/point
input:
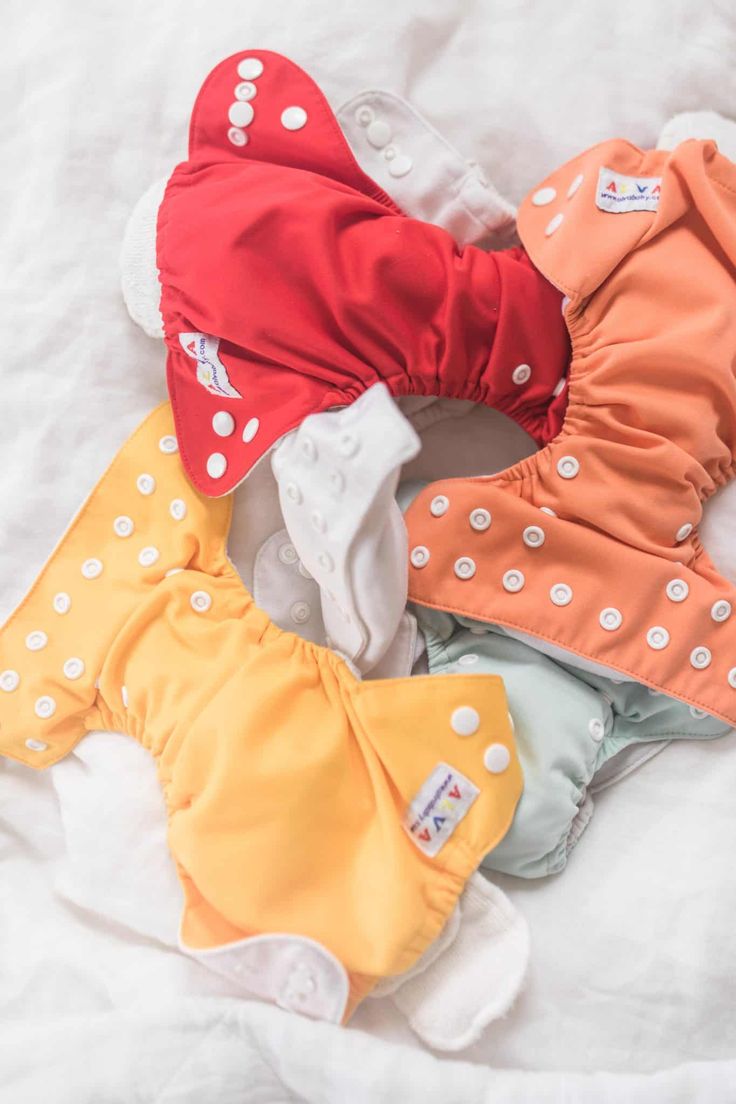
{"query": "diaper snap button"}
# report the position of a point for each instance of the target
(237, 137)
(62, 602)
(732, 677)
(699, 714)
(419, 556)
(568, 467)
(677, 590)
(364, 116)
(561, 594)
(300, 612)
(146, 484)
(513, 581)
(378, 133)
(9, 681)
(250, 68)
(480, 519)
(200, 601)
(36, 745)
(168, 444)
(45, 707)
(309, 449)
(74, 668)
(597, 729)
(700, 658)
(287, 554)
(575, 185)
(92, 569)
(318, 521)
(348, 445)
(547, 510)
(148, 556)
(124, 696)
(401, 165)
(465, 720)
(246, 90)
(496, 758)
(223, 423)
(37, 640)
(240, 113)
(464, 567)
(178, 509)
(326, 561)
(554, 224)
(610, 618)
(123, 526)
(468, 659)
(721, 610)
(216, 465)
(683, 532)
(544, 196)
(533, 536)
(521, 374)
(658, 638)
(293, 493)
(293, 118)
(439, 505)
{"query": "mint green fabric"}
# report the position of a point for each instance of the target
(557, 710)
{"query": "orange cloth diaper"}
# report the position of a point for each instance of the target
(592, 543)
(322, 827)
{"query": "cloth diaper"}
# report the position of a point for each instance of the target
(322, 828)
(591, 545)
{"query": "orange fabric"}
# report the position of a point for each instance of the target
(650, 430)
(285, 778)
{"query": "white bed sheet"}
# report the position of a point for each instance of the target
(634, 952)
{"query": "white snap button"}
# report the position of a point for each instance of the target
(293, 493)
(533, 536)
(200, 601)
(468, 660)
(216, 465)
(168, 444)
(74, 668)
(465, 720)
(92, 569)
(610, 618)
(364, 116)
(378, 133)
(496, 758)
(565, 303)
(597, 729)
(568, 467)
(721, 610)
(732, 677)
(658, 638)
(699, 714)
(419, 556)
(439, 505)
(318, 521)
(337, 481)
(559, 387)
(677, 590)
(309, 449)
(700, 658)
(548, 510)
(9, 681)
(37, 640)
(223, 423)
(173, 571)
(326, 561)
(250, 429)
(575, 185)
(124, 696)
(464, 568)
(36, 745)
(521, 374)
(146, 484)
(561, 594)
(148, 556)
(237, 137)
(684, 531)
(240, 113)
(303, 571)
(300, 612)
(246, 90)
(513, 581)
(123, 526)
(390, 153)
(400, 166)
(178, 509)
(250, 68)
(544, 196)
(293, 118)
(287, 554)
(554, 224)
(62, 602)
(45, 707)
(348, 445)
(480, 519)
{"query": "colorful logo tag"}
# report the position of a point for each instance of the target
(438, 808)
(618, 193)
(211, 372)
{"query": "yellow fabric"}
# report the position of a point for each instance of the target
(285, 778)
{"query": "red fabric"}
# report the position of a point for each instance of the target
(317, 286)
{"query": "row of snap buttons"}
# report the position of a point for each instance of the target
(241, 114)
(465, 721)
(379, 135)
(548, 194)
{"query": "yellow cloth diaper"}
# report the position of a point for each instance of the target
(322, 827)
